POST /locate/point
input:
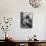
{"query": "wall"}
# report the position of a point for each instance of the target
(12, 8)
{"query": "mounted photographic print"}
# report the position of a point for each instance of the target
(26, 19)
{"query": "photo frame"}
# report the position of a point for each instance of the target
(26, 19)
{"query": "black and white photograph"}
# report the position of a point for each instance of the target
(26, 19)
